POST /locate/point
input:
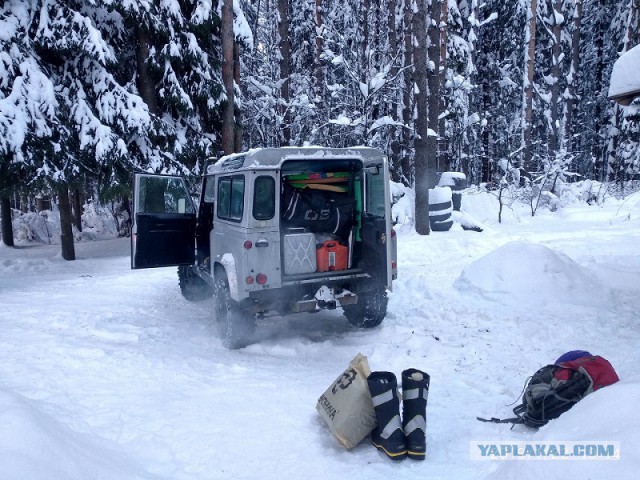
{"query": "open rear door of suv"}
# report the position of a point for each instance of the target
(164, 222)
(376, 219)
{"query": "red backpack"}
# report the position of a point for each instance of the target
(554, 389)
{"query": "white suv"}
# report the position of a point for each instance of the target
(281, 230)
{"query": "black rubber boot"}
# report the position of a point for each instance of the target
(415, 389)
(388, 435)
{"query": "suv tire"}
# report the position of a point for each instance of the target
(370, 309)
(193, 288)
(235, 326)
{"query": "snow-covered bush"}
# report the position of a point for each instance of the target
(97, 223)
(36, 228)
(402, 204)
(43, 228)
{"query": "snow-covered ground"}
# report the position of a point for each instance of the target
(107, 373)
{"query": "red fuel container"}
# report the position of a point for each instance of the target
(330, 256)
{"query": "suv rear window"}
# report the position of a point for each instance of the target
(231, 198)
(264, 198)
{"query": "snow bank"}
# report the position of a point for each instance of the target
(608, 415)
(30, 440)
(530, 272)
(484, 206)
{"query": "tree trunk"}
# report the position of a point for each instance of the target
(144, 81)
(66, 230)
(528, 86)
(433, 82)
(376, 37)
(228, 112)
(77, 209)
(419, 27)
(479, 155)
(318, 68)
(443, 161)
(600, 169)
(556, 30)
(126, 206)
(237, 142)
(364, 63)
(633, 24)
(407, 97)
(572, 81)
(7, 226)
(285, 70)
(392, 34)
(487, 164)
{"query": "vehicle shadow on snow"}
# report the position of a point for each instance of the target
(310, 327)
(318, 327)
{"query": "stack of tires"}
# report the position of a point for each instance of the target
(440, 207)
(457, 182)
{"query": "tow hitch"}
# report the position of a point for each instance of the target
(326, 298)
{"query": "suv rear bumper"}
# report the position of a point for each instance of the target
(347, 298)
(322, 277)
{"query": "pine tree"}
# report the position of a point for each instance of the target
(77, 100)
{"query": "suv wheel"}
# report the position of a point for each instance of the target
(370, 309)
(193, 288)
(235, 326)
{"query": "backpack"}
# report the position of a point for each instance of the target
(556, 388)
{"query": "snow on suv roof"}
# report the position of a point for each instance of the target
(274, 157)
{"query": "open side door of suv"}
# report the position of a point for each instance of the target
(164, 222)
(376, 219)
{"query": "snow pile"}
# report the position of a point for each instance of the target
(607, 415)
(629, 209)
(530, 272)
(586, 191)
(34, 445)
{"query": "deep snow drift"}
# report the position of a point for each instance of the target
(108, 373)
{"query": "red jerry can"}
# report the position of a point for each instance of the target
(330, 256)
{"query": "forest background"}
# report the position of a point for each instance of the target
(506, 92)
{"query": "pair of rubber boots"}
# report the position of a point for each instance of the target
(395, 438)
